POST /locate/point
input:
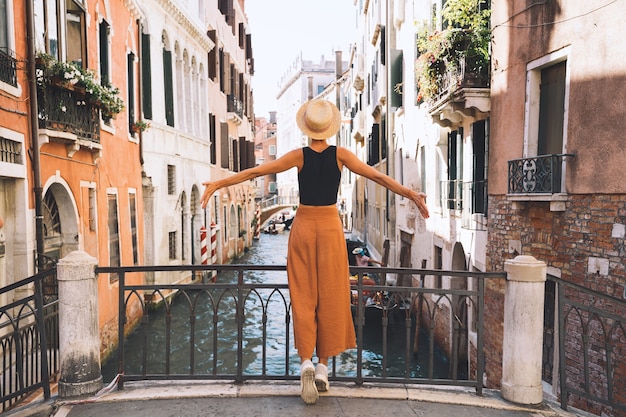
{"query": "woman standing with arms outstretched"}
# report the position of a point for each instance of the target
(317, 258)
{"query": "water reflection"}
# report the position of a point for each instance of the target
(200, 320)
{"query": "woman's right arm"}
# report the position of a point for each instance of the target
(289, 160)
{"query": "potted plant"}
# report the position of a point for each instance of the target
(72, 77)
(460, 50)
(140, 126)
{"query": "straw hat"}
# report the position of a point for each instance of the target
(358, 251)
(318, 119)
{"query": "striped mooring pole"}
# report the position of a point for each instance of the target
(257, 227)
(213, 273)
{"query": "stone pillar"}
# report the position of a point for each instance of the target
(522, 343)
(79, 337)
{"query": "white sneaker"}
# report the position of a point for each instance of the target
(307, 382)
(321, 377)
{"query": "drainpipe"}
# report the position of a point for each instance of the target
(338, 72)
(34, 135)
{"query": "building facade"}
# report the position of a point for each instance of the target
(198, 98)
(555, 164)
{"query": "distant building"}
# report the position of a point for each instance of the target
(303, 81)
(264, 151)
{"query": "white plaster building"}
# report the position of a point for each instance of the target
(197, 97)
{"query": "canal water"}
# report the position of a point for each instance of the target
(268, 250)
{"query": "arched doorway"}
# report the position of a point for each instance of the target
(460, 331)
(60, 223)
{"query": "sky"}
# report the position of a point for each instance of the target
(281, 29)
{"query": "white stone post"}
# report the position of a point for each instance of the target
(79, 337)
(522, 344)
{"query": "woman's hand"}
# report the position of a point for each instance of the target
(209, 189)
(420, 201)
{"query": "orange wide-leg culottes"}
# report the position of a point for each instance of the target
(319, 283)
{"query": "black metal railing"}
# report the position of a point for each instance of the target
(235, 105)
(68, 110)
(592, 346)
(538, 174)
(464, 73)
(234, 302)
(29, 339)
(8, 67)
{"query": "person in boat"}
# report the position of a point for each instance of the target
(362, 259)
(316, 256)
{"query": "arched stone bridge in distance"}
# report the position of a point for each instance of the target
(273, 205)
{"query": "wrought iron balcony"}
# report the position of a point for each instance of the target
(235, 106)
(536, 175)
(461, 93)
(8, 68)
(68, 110)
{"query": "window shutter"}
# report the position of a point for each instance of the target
(235, 146)
(396, 78)
(213, 138)
(243, 153)
(168, 87)
(213, 56)
(146, 77)
(225, 146)
(130, 106)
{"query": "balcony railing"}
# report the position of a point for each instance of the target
(235, 106)
(8, 67)
(70, 111)
(29, 339)
(460, 76)
(536, 175)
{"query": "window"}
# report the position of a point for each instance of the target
(224, 146)
(272, 187)
(93, 210)
(455, 169)
(272, 150)
(146, 76)
(10, 151)
(212, 70)
(213, 138)
(171, 179)
(130, 105)
(172, 245)
(105, 72)
(132, 203)
(114, 235)
(8, 69)
(76, 33)
(168, 84)
(61, 30)
(480, 140)
(547, 92)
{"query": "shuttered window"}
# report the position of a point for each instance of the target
(224, 145)
(168, 87)
(213, 138)
(213, 56)
(130, 70)
(146, 77)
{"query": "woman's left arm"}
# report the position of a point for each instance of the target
(357, 166)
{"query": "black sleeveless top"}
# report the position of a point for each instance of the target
(319, 177)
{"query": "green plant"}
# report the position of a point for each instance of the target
(463, 46)
(141, 125)
(69, 74)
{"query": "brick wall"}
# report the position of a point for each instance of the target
(586, 243)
